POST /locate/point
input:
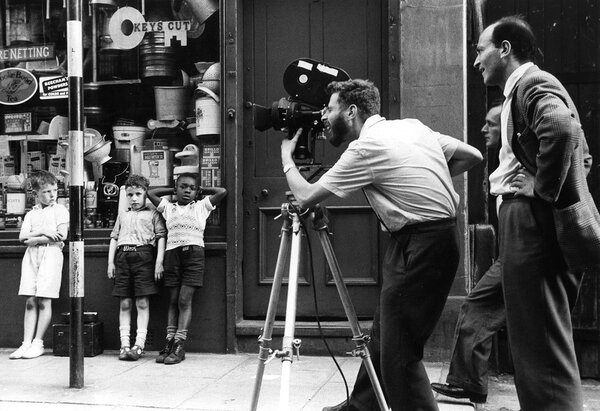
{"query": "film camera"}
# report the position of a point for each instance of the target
(306, 81)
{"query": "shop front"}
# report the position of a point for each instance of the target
(152, 85)
(162, 78)
(166, 78)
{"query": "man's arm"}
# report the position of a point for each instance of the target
(557, 129)
(464, 157)
(307, 195)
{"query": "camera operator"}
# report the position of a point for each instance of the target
(405, 170)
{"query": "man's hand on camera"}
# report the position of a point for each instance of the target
(287, 148)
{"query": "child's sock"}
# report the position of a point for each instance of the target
(171, 329)
(181, 335)
(124, 334)
(140, 337)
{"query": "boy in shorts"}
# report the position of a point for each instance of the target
(44, 229)
(132, 263)
(184, 257)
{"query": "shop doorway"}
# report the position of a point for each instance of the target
(346, 34)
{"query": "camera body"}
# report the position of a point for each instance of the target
(305, 80)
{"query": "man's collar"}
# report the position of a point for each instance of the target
(514, 77)
(371, 121)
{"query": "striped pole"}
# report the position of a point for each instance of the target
(76, 266)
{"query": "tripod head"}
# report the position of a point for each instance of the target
(316, 214)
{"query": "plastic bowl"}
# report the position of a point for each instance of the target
(100, 154)
(126, 136)
(211, 78)
(91, 139)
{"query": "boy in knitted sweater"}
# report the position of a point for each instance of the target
(184, 256)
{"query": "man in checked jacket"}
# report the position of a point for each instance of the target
(550, 229)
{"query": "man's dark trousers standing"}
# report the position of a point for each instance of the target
(419, 268)
(481, 316)
(539, 292)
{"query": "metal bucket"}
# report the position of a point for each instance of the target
(158, 63)
(172, 102)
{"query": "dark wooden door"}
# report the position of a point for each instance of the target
(343, 33)
(568, 35)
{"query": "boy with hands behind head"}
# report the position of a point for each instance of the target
(184, 256)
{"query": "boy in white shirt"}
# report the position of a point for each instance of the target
(44, 229)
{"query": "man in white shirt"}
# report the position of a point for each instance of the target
(405, 170)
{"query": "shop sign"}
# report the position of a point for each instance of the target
(127, 28)
(27, 53)
(54, 87)
(16, 86)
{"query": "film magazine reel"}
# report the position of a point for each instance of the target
(290, 250)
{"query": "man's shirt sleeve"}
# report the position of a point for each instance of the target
(350, 173)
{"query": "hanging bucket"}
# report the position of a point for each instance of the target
(208, 113)
(172, 102)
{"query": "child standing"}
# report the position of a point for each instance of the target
(184, 257)
(132, 264)
(44, 229)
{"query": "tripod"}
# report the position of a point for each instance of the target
(290, 233)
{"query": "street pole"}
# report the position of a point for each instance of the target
(75, 156)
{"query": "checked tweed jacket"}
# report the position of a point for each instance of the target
(548, 140)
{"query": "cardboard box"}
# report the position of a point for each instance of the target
(56, 162)
(17, 123)
(33, 160)
(210, 177)
(211, 156)
(93, 339)
(7, 166)
(13, 221)
(157, 167)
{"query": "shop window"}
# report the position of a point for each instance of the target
(151, 71)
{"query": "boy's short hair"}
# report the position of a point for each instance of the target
(38, 178)
(190, 175)
(136, 180)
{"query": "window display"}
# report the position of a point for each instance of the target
(151, 73)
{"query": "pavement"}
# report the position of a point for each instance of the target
(207, 382)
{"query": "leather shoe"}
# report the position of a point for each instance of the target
(342, 406)
(454, 391)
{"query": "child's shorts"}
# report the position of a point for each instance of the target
(134, 271)
(41, 271)
(184, 266)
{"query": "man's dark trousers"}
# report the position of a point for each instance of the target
(419, 268)
(481, 316)
(538, 292)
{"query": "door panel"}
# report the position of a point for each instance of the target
(346, 34)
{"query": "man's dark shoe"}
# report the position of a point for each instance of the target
(454, 391)
(177, 354)
(342, 406)
(164, 353)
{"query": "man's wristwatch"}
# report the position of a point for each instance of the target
(288, 167)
